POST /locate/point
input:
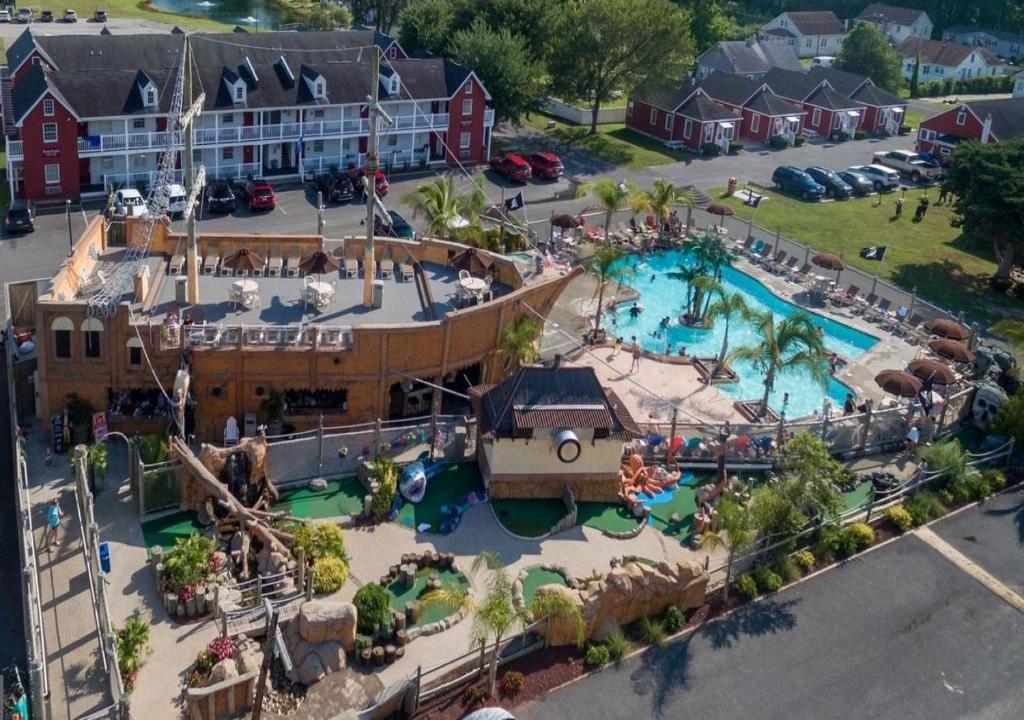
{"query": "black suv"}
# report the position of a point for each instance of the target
(21, 217)
(795, 180)
(834, 185)
(335, 187)
(220, 197)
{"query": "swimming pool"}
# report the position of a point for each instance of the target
(661, 295)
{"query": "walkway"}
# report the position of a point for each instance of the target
(12, 629)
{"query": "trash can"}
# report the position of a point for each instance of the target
(105, 557)
(732, 186)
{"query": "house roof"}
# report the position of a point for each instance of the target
(998, 34)
(1007, 116)
(877, 97)
(826, 97)
(752, 57)
(890, 14)
(768, 103)
(666, 97)
(791, 84)
(729, 88)
(701, 107)
(816, 22)
(845, 82)
(943, 52)
(552, 398)
(781, 32)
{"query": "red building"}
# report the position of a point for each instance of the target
(88, 113)
(765, 114)
(829, 112)
(882, 112)
(686, 117)
(986, 121)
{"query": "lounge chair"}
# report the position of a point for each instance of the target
(762, 255)
(291, 264)
(260, 250)
(351, 267)
(774, 265)
(754, 250)
(846, 298)
(894, 323)
(789, 268)
(803, 273)
(880, 311)
(177, 262)
(274, 263)
(212, 259)
(387, 268)
(405, 271)
(866, 306)
(225, 271)
(741, 248)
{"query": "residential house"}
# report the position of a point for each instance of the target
(897, 23)
(883, 111)
(810, 34)
(764, 114)
(91, 111)
(684, 117)
(829, 112)
(751, 58)
(986, 121)
(942, 60)
(1018, 84)
(1007, 45)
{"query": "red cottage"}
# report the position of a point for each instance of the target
(686, 117)
(828, 111)
(987, 121)
(883, 112)
(765, 114)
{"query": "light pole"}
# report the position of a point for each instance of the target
(67, 212)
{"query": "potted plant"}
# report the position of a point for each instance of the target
(272, 412)
(80, 416)
(98, 464)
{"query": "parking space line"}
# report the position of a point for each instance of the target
(971, 568)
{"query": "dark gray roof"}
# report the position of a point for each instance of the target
(664, 96)
(816, 22)
(943, 52)
(879, 13)
(829, 99)
(845, 82)
(768, 103)
(1007, 116)
(21, 48)
(998, 34)
(750, 57)
(701, 107)
(28, 90)
(876, 96)
(790, 84)
(732, 89)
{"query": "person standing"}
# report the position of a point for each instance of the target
(53, 516)
(618, 346)
(899, 207)
(943, 195)
(635, 351)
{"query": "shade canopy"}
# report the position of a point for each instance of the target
(317, 263)
(566, 222)
(244, 260)
(719, 209)
(828, 261)
(898, 382)
(473, 261)
(952, 350)
(932, 371)
(947, 328)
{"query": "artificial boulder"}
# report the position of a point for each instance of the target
(318, 639)
(224, 670)
(317, 485)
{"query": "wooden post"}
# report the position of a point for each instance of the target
(300, 563)
(268, 652)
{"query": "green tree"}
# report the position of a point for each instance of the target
(662, 197)
(323, 16)
(805, 458)
(560, 609)
(532, 20)
(1009, 421)
(727, 307)
(613, 197)
(520, 340)
(866, 51)
(692, 276)
(426, 25)
(987, 182)
(710, 23)
(608, 46)
(735, 531)
(512, 75)
(382, 13)
(915, 78)
(790, 345)
(1013, 331)
(445, 209)
(606, 267)
(775, 509)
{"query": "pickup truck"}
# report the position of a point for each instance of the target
(909, 163)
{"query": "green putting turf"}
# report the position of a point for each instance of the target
(529, 518)
(858, 496)
(342, 497)
(683, 503)
(448, 487)
(400, 596)
(605, 516)
(535, 577)
(162, 531)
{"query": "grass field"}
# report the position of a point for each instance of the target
(127, 9)
(342, 497)
(614, 143)
(932, 256)
(447, 488)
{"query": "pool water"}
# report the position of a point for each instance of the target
(660, 295)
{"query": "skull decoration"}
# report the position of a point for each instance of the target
(987, 401)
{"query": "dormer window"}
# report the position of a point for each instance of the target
(147, 91)
(315, 83)
(394, 85)
(150, 97)
(320, 89)
(240, 93)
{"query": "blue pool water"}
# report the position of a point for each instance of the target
(665, 296)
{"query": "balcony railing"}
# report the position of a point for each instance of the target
(14, 150)
(303, 337)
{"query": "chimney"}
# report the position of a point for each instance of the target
(986, 129)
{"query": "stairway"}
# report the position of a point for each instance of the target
(7, 101)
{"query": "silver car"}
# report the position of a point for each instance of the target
(880, 176)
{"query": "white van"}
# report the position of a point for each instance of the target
(176, 197)
(824, 61)
(129, 203)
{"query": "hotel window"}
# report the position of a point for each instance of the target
(50, 132)
(107, 163)
(709, 131)
(239, 93)
(687, 129)
(961, 117)
(134, 352)
(469, 88)
(654, 116)
(150, 98)
(62, 328)
(392, 52)
(52, 174)
(92, 327)
(755, 122)
(319, 89)
(467, 106)
(139, 124)
(318, 146)
(48, 107)
(668, 122)
(464, 139)
(392, 140)
(228, 153)
(318, 113)
(228, 118)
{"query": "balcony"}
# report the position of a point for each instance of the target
(14, 150)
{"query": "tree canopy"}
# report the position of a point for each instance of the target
(867, 52)
(987, 182)
(426, 25)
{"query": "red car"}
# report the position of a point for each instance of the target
(380, 181)
(512, 166)
(259, 195)
(546, 165)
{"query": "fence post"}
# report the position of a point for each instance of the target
(300, 563)
(259, 588)
(40, 708)
(320, 446)
(867, 426)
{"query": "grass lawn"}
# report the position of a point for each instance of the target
(915, 116)
(535, 577)
(614, 143)
(448, 487)
(136, 9)
(945, 267)
(163, 531)
(342, 497)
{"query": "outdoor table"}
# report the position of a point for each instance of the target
(473, 285)
(245, 286)
(321, 292)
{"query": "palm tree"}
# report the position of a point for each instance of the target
(443, 206)
(691, 275)
(735, 531)
(726, 307)
(494, 615)
(606, 267)
(520, 340)
(613, 197)
(791, 345)
(662, 197)
(710, 251)
(561, 610)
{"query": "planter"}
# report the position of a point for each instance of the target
(171, 603)
(201, 604)
(210, 601)
(191, 606)
(377, 655)
(180, 609)
(366, 655)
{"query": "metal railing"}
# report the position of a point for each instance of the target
(15, 150)
(304, 336)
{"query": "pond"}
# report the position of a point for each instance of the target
(254, 14)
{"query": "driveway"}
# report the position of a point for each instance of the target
(901, 632)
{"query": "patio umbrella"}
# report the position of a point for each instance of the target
(829, 261)
(566, 222)
(720, 209)
(244, 260)
(473, 261)
(898, 383)
(947, 328)
(952, 350)
(317, 263)
(933, 371)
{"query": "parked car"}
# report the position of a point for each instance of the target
(335, 187)
(908, 163)
(512, 166)
(395, 226)
(258, 195)
(220, 197)
(21, 217)
(490, 713)
(881, 177)
(70, 16)
(177, 200)
(129, 203)
(380, 180)
(834, 185)
(25, 15)
(545, 165)
(99, 16)
(796, 181)
(824, 61)
(46, 16)
(5, 16)
(861, 184)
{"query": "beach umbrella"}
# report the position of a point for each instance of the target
(947, 328)
(829, 261)
(952, 350)
(317, 263)
(244, 260)
(898, 383)
(473, 261)
(564, 221)
(721, 210)
(932, 371)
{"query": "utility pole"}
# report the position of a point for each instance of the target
(319, 213)
(369, 180)
(192, 182)
(71, 241)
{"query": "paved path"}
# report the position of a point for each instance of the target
(900, 632)
(972, 568)
(12, 627)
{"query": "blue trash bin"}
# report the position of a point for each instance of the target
(105, 557)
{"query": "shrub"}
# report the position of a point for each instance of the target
(787, 568)
(512, 683)
(833, 542)
(385, 473)
(650, 632)
(996, 479)
(204, 661)
(617, 644)
(904, 130)
(597, 655)
(778, 142)
(673, 619)
(222, 648)
(862, 534)
(799, 140)
(735, 146)
(768, 581)
(329, 574)
(925, 506)
(373, 610)
(363, 642)
(711, 149)
(320, 540)
(186, 563)
(859, 135)
(1009, 419)
(475, 695)
(746, 586)
(842, 136)
(804, 559)
(131, 643)
(899, 517)
(153, 448)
